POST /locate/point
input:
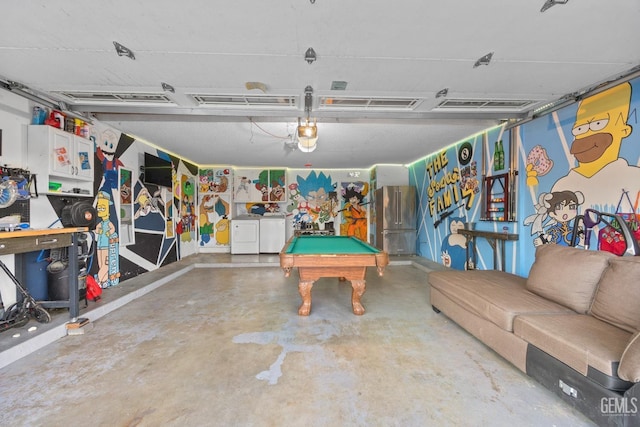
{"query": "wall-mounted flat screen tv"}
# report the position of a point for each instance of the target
(157, 171)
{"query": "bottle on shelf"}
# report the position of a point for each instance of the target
(500, 155)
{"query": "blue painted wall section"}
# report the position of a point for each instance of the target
(584, 156)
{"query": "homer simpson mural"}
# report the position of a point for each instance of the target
(602, 178)
(598, 131)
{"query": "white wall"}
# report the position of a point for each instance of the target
(15, 116)
(391, 175)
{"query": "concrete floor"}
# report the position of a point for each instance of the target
(218, 346)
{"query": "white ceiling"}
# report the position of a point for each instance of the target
(382, 49)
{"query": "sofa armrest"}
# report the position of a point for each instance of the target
(629, 368)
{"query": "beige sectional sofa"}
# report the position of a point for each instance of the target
(573, 324)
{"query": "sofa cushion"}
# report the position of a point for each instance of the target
(617, 298)
(577, 340)
(629, 368)
(567, 275)
(493, 295)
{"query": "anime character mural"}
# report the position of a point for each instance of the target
(598, 176)
(214, 206)
(270, 184)
(243, 186)
(214, 181)
(148, 203)
(107, 251)
(223, 230)
(354, 212)
(311, 201)
(260, 208)
(186, 226)
(453, 251)
(125, 187)
(213, 209)
(553, 221)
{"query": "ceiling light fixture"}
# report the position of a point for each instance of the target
(550, 3)
(307, 136)
(123, 50)
(168, 88)
(485, 60)
(310, 55)
(307, 133)
(307, 130)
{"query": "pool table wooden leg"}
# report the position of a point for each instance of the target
(304, 287)
(358, 289)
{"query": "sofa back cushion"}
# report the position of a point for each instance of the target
(629, 368)
(617, 298)
(567, 275)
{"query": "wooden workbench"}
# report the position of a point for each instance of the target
(29, 240)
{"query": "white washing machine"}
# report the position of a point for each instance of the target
(272, 233)
(245, 235)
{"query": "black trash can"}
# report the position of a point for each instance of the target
(58, 281)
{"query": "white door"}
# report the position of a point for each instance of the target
(84, 158)
(63, 154)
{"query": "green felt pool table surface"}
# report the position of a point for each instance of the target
(327, 245)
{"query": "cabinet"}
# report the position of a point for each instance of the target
(21, 241)
(497, 206)
(255, 185)
(62, 161)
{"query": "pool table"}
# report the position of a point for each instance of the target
(331, 256)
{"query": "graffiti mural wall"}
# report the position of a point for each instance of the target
(329, 200)
(214, 207)
(584, 156)
(147, 214)
(581, 157)
(449, 185)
